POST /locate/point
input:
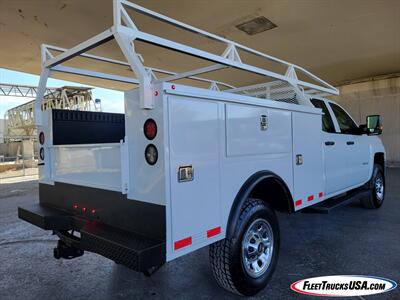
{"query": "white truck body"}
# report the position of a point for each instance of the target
(219, 135)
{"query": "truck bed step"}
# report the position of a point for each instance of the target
(329, 205)
(45, 217)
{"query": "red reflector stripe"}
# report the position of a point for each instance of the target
(214, 231)
(310, 198)
(321, 194)
(183, 243)
(298, 202)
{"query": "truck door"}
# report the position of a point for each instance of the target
(356, 147)
(334, 152)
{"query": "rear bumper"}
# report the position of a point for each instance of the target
(137, 252)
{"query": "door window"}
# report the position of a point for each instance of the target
(346, 123)
(327, 123)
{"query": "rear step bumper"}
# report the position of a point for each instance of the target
(135, 251)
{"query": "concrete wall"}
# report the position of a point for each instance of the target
(376, 96)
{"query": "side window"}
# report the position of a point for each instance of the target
(346, 123)
(327, 123)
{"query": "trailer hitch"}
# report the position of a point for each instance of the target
(64, 251)
(67, 246)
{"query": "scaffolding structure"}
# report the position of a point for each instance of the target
(20, 120)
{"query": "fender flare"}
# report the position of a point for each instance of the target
(244, 193)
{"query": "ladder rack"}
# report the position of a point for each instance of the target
(125, 32)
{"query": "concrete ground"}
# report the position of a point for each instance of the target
(350, 240)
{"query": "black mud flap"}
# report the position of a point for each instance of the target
(137, 252)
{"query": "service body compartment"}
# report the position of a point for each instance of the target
(252, 147)
(308, 161)
(254, 130)
(194, 129)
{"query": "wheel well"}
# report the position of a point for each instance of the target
(263, 185)
(272, 191)
(379, 159)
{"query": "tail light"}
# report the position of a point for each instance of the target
(41, 153)
(150, 129)
(151, 154)
(41, 138)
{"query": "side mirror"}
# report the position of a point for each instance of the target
(374, 125)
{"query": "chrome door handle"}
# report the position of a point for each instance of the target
(350, 143)
(329, 143)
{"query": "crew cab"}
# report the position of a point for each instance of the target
(189, 166)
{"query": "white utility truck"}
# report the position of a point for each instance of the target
(189, 166)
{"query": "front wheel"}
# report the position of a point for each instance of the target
(377, 188)
(245, 263)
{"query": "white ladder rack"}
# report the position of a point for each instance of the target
(126, 32)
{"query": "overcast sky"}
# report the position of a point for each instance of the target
(111, 101)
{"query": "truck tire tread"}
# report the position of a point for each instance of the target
(219, 252)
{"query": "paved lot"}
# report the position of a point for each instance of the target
(351, 240)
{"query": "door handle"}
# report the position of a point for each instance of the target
(350, 143)
(329, 143)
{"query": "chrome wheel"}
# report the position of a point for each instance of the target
(257, 248)
(379, 187)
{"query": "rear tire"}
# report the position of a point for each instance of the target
(244, 264)
(377, 187)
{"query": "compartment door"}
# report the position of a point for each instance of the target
(308, 159)
(194, 141)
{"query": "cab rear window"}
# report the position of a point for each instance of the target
(327, 123)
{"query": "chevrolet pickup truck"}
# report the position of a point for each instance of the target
(189, 166)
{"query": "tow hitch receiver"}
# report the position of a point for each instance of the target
(64, 251)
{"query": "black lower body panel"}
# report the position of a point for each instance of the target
(136, 251)
(112, 208)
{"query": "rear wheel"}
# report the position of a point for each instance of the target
(245, 263)
(377, 188)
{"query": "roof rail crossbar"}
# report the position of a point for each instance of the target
(78, 71)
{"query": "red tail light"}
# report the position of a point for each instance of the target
(150, 129)
(41, 138)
